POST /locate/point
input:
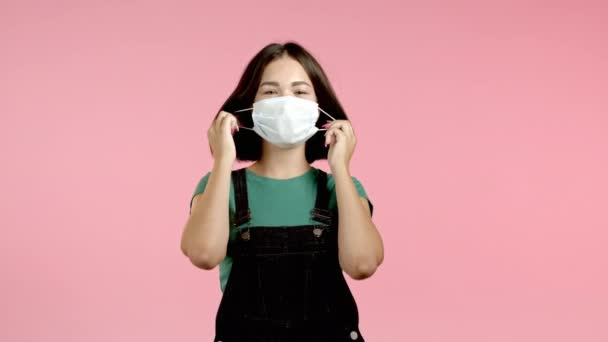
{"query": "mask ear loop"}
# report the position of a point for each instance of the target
(243, 110)
(331, 117)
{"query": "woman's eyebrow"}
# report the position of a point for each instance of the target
(272, 83)
(297, 83)
(276, 84)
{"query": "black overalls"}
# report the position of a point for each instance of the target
(286, 283)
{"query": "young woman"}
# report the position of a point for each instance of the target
(282, 230)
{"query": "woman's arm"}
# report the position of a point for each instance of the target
(360, 246)
(359, 243)
(206, 233)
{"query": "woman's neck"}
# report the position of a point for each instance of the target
(281, 163)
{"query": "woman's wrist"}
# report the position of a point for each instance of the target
(223, 164)
(339, 169)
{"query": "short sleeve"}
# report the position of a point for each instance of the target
(331, 185)
(200, 187)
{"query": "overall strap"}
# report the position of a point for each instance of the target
(242, 212)
(321, 212)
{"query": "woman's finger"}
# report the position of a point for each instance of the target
(235, 124)
(328, 136)
(218, 121)
(331, 135)
(226, 123)
(345, 126)
(339, 135)
(330, 123)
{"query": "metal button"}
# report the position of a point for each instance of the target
(317, 232)
(353, 335)
(245, 235)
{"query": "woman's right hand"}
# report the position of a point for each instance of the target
(220, 137)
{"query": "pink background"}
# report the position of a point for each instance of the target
(483, 138)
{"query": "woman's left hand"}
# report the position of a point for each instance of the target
(341, 140)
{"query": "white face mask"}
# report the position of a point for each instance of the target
(285, 121)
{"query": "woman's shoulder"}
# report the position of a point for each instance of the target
(331, 185)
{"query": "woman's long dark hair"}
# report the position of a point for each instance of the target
(248, 143)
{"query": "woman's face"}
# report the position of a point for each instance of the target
(285, 76)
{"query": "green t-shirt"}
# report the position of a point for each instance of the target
(277, 202)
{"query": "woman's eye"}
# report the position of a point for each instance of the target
(268, 92)
(301, 92)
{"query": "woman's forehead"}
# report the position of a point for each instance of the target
(285, 70)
